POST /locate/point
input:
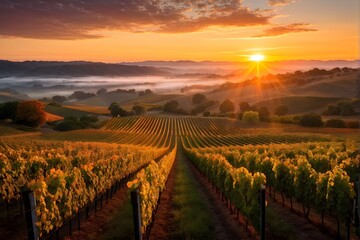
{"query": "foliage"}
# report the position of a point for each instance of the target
(139, 109)
(65, 176)
(352, 124)
(31, 113)
(311, 120)
(201, 107)
(343, 108)
(198, 98)
(81, 95)
(8, 110)
(171, 106)
(250, 117)
(244, 106)
(335, 123)
(59, 99)
(206, 114)
(117, 111)
(226, 106)
(264, 114)
(101, 91)
(151, 182)
(146, 92)
(72, 123)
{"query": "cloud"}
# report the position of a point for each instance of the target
(279, 2)
(286, 29)
(74, 19)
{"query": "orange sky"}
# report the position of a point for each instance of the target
(227, 30)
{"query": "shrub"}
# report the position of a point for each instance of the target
(353, 124)
(206, 114)
(335, 123)
(251, 117)
(311, 120)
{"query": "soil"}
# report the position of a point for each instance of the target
(95, 225)
(311, 226)
(163, 224)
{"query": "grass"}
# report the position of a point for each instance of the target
(13, 129)
(278, 227)
(121, 225)
(90, 109)
(66, 112)
(191, 215)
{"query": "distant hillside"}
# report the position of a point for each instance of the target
(300, 104)
(73, 69)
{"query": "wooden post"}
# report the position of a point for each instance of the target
(262, 212)
(30, 214)
(135, 202)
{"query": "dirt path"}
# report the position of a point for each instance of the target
(163, 224)
(301, 227)
(96, 224)
(313, 224)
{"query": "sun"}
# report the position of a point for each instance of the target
(257, 58)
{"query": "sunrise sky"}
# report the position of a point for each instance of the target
(137, 30)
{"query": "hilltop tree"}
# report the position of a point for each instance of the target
(31, 113)
(101, 91)
(198, 98)
(226, 106)
(139, 109)
(244, 106)
(171, 106)
(59, 99)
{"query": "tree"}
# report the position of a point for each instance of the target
(198, 98)
(59, 99)
(244, 106)
(139, 109)
(264, 114)
(101, 91)
(116, 110)
(31, 113)
(171, 106)
(311, 120)
(226, 106)
(281, 110)
(80, 95)
(8, 110)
